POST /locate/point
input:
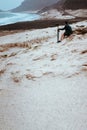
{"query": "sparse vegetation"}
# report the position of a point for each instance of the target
(2, 71)
(81, 30)
(30, 76)
(53, 57)
(8, 55)
(84, 52)
(16, 79)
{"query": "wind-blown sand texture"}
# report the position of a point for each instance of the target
(43, 84)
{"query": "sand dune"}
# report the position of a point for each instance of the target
(42, 82)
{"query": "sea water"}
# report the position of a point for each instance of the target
(9, 17)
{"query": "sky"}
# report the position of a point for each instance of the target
(9, 4)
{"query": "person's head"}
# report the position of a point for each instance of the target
(66, 22)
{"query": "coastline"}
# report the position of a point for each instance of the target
(39, 24)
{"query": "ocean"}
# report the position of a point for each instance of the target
(9, 17)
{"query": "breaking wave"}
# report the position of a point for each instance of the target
(9, 17)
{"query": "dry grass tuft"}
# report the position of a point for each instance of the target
(73, 75)
(27, 44)
(6, 56)
(53, 57)
(84, 65)
(35, 47)
(30, 76)
(2, 71)
(3, 56)
(8, 32)
(48, 73)
(74, 51)
(12, 54)
(8, 64)
(12, 45)
(40, 58)
(84, 52)
(81, 30)
(16, 79)
(3, 49)
(84, 69)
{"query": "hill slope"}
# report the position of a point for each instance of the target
(28, 5)
(67, 4)
(75, 4)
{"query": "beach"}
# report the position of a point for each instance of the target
(42, 82)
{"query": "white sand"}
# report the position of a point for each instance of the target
(65, 14)
(43, 86)
(55, 14)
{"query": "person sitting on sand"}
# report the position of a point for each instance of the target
(68, 30)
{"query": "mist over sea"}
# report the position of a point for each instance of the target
(9, 17)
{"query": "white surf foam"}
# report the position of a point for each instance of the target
(9, 18)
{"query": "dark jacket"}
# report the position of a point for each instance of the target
(68, 30)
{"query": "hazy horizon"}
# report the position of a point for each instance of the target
(9, 4)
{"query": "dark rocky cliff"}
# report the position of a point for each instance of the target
(67, 4)
(75, 4)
